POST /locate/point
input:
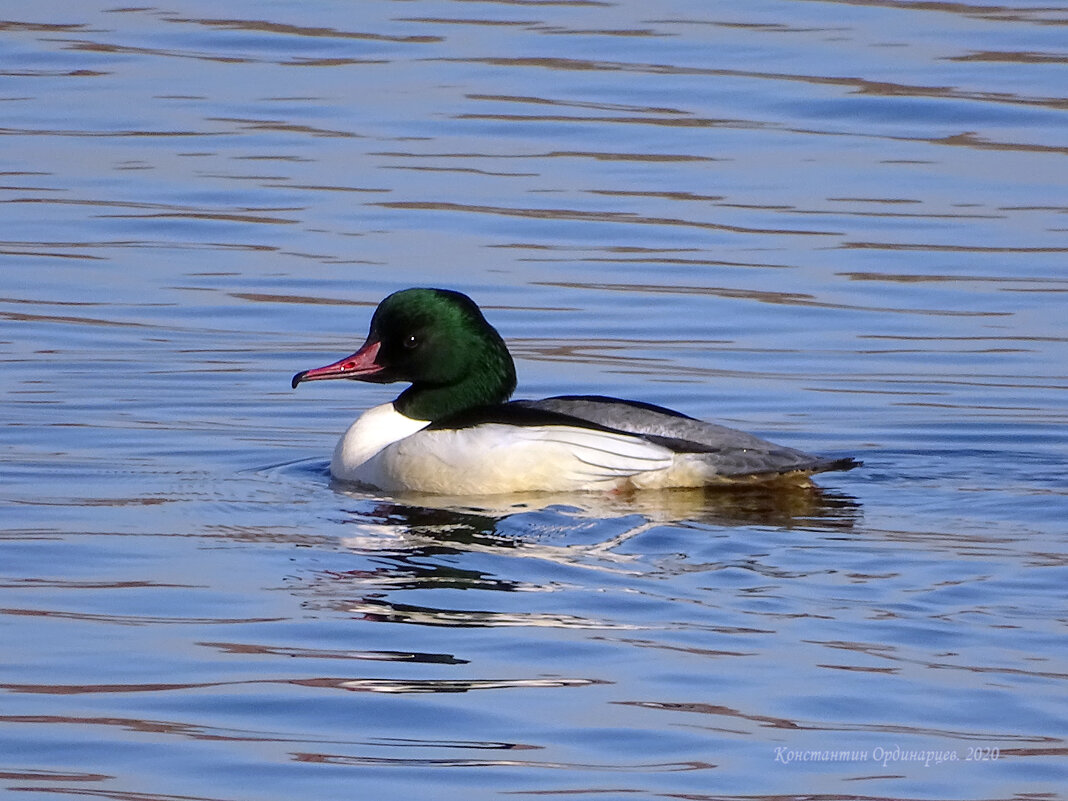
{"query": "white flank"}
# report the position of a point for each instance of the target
(388, 451)
(495, 458)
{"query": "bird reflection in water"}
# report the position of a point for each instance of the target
(508, 521)
(437, 543)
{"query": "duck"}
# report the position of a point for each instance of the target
(454, 430)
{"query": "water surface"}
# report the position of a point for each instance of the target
(838, 225)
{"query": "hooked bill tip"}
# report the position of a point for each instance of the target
(298, 378)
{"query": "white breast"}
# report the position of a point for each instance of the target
(373, 430)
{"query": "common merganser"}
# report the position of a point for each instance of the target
(454, 432)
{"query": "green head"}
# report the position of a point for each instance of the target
(437, 340)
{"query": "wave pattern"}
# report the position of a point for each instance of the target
(839, 224)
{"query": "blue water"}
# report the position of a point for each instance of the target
(839, 226)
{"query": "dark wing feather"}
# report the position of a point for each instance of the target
(729, 452)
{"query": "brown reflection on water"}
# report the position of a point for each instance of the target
(43, 73)
(119, 795)
(891, 653)
(702, 652)
(770, 722)
(673, 260)
(596, 155)
(327, 188)
(949, 248)
(762, 296)
(1040, 14)
(628, 218)
(603, 352)
(260, 26)
(1012, 56)
(686, 196)
(54, 775)
(559, 30)
(253, 124)
(599, 106)
(196, 731)
(455, 762)
(211, 216)
(265, 26)
(307, 300)
(55, 249)
(976, 142)
(74, 584)
(856, 84)
(674, 122)
(629, 254)
(43, 27)
(173, 728)
(124, 132)
(133, 620)
(53, 318)
(161, 208)
(104, 47)
(515, 23)
(902, 278)
(468, 170)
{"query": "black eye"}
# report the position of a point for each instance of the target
(411, 341)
